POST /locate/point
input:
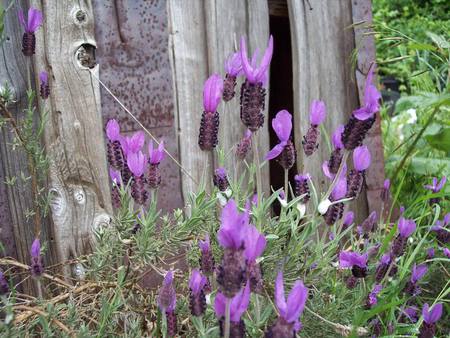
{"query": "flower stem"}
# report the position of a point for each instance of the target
(257, 169)
(226, 331)
(336, 178)
(164, 324)
(286, 184)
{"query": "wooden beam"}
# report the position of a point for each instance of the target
(322, 46)
(78, 178)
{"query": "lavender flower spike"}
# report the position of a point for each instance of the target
(371, 99)
(36, 268)
(207, 258)
(285, 149)
(209, 124)
(30, 25)
(136, 164)
(336, 156)
(167, 297)
(385, 191)
(288, 324)
(361, 161)
(220, 179)
(197, 300)
(316, 116)
(405, 228)
(430, 317)
(418, 272)
(117, 182)
(302, 187)
(255, 243)
(372, 297)
(436, 186)
(244, 145)
(44, 88)
(354, 260)
(232, 230)
(239, 304)
(252, 73)
(233, 67)
(155, 156)
(348, 219)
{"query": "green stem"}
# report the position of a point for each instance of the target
(286, 183)
(164, 324)
(336, 178)
(226, 331)
(258, 309)
(258, 167)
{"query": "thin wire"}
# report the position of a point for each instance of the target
(142, 126)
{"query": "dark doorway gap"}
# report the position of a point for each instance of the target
(281, 91)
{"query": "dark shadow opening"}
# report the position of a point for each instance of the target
(281, 86)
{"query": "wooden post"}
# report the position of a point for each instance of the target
(78, 178)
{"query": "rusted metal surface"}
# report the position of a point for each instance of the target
(132, 50)
(362, 13)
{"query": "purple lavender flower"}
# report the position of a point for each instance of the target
(255, 243)
(370, 223)
(136, 164)
(435, 188)
(207, 258)
(288, 324)
(441, 230)
(133, 144)
(197, 299)
(446, 252)
(317, 115)
(239, 304)
(382, 267)
(37, 269)
(231, 236)
(30, 25)
(220, 179)
(410, 313)
(385, 191)
(44, 87)
(348, 219)
(354, 260)
(167, 297)
(430, 253)
(372, 297)
(114, 149)
(244, 145)
(363, 118)
(209, 124)
(155, 156)
(411, 287)
(252, 91)
(405, 228)
(233, 67)
(4, 286)
(430, 317)
(285, 149)
(361, 161)
(302, 187)
(336, 156)
(336, 210)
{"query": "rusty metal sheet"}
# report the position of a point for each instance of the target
(132, 50)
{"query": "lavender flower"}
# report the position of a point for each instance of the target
(30, 25)
(361, 161)
(354, 260)
(252, 91)
(410, 313)
(302, 187)
(385, 191)
(430, 317)
(220, 179)
(285, 149)
(336, 210)
(348, 219)
(4, 286)
(417, 273)
(233, 67)
(37, 269)
(244, 145)
(446, 252)
(336, 156)
(238, 306)
(435, 188)
(370, 223)
(255, 243)
(288, 324)
(155, 156)
(117, 182)
(136, 164)
(207, 258)
(363, 118)
(231, 236)
(167, 297)
(197, 299)
(317, 115)
(382, 267)
(405, 228)
(44, 88)
(115, 154)
(430, 253)
(372, 297)
(209, 124)
(133, 144)
(442, 230)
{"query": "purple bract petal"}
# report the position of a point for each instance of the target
(34, 19)
(406, 227)
(340, 189)
(347, 259)
(255, 243)
(275, 151)
(371, 99)
(155, 156)
(336, 139)
(113, 130)
(290, 310)
(35, 248)
(252, 73)
(387, 184)
(233, 226)
(212, 93)
(433, 315)
(282, 125)
(43, 77)
(418, 272)
(115, 176)
(136, 163)
(446, 252)
(238, 306)
(303, 177)
(132, 144)
(361, 158)
(197, 282)
(348, 218)
(317, 112)
(233, 65)
(205, 245)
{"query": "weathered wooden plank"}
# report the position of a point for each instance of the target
(362, 13)
(132, 51)
(226, 22)
(78, 178)
(189, 61)
(322, 45)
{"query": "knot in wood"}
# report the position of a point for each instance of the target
(86, 55)
(79, 196)
(101, 221)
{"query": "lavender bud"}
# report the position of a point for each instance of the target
(243, 147)
(310, 140)
(28, 43)
(209, 128)
(115, 155)
(281, 329)
(231, 273)
(355, 131)
(334, 213)
(335, 160)
(252, 104)
(197, 303)
(237, 329)
(399, 246)
(302, 187)
(354, 183)
(370, 223)
(220, 179)
(229, 83)
(138, 191)
(37, 269)
(288, 156)
(172, 328)
(44, 90)
(351, 282)
(153, 176)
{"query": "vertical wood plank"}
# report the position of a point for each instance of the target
(322, 45)
(362, 12)
(78, 178)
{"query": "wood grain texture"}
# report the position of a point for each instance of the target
(362, 12)
(322, 44)
(203, 35)
(78, 178)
